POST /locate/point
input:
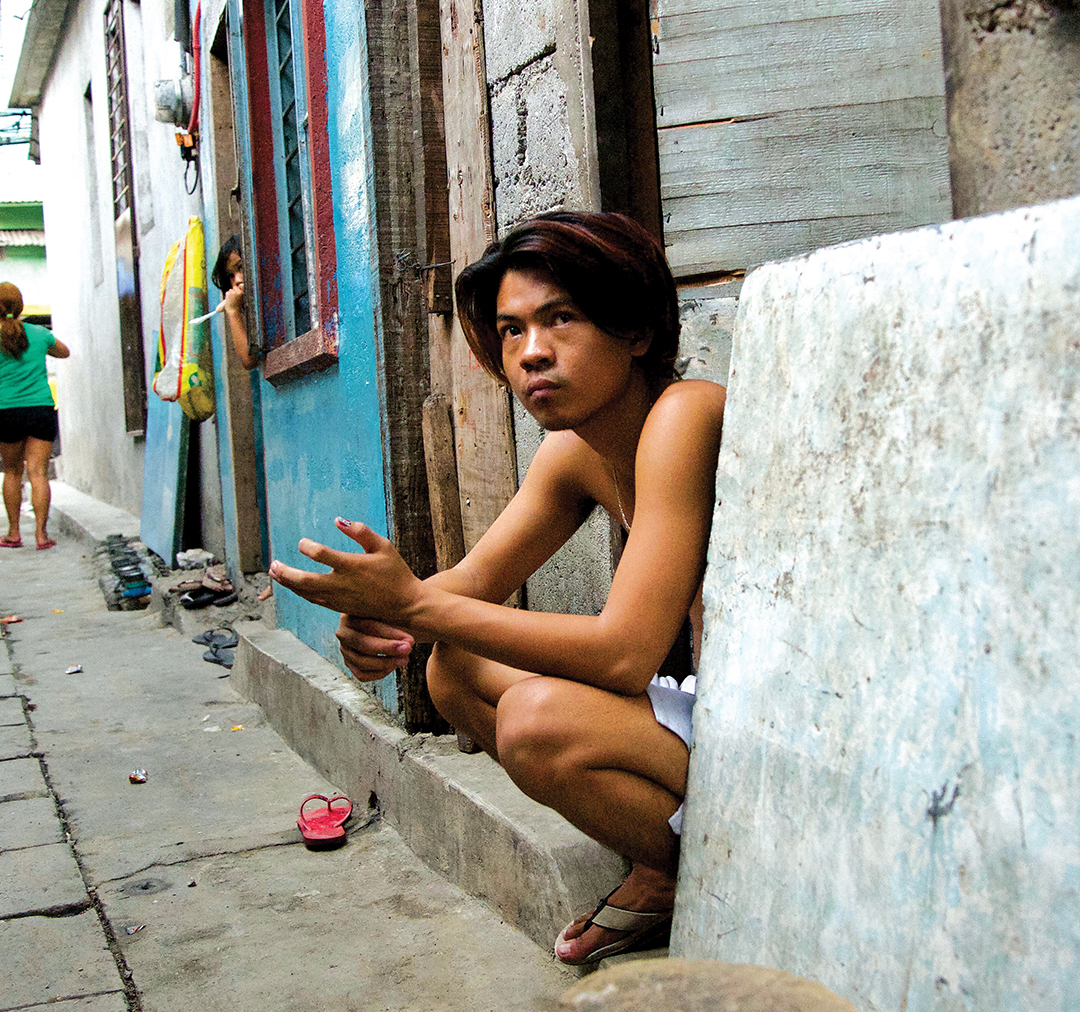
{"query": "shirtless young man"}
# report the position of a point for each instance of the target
(578, 314)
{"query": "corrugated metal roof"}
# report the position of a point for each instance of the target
(21, 237)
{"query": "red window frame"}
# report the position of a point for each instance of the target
(317, 349)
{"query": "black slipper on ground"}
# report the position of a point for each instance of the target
(219, 655)
(223, 638)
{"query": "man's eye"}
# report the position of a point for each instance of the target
(510, 331)
(564, 316)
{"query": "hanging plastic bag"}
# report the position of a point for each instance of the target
(183, 367)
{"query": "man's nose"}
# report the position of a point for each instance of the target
(537, 348)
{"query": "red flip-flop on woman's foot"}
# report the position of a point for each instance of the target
(47, 543)
(10, 542)
(324, 827)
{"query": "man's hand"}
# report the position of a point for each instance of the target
(372, 649)
(376, 584)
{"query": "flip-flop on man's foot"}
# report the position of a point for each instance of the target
(10, 542)
(46, 543)
(623, 930)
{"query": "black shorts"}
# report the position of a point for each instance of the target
(38, 421)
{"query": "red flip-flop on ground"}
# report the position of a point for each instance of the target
(10, 542)
(47, 543)
(324, 827)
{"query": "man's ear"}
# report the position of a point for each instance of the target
(640, 346)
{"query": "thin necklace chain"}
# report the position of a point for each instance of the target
(618, 498)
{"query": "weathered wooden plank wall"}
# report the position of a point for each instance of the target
(784, 126)
(482, 420)
(403, 347)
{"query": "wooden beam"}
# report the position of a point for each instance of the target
(482, 418)
(442, 481)
(403, 321)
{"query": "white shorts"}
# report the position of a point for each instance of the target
(673, 709)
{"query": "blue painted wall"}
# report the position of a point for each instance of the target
(322, 433)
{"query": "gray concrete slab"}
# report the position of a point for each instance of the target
(367, 926)
(15, 742)
(11, 711)
(48, 959)
(537, 870)
(7, 680)
(112, 1002)
(21, 778)
(40, 879)
(30, 823)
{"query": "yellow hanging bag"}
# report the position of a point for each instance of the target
(183, 366)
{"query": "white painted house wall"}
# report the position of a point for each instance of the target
(100, 458)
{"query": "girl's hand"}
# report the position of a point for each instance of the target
(371, 649)
(376, 584)
(234, 298)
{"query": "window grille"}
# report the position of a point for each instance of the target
(119, 130)
(291, 155)
(125, 228)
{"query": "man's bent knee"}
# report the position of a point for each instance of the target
(439, 678)
(536, 740)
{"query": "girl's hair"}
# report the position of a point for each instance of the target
(13, 340)
(220, 275)
(613, 269)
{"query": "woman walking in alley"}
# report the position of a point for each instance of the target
(27, 414)
(578, 315)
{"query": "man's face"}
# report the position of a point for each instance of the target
(561, 366)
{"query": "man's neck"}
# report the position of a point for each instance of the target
(615, 434)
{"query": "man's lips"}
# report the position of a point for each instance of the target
(539, 386)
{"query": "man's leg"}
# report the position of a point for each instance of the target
(601, 760)
(37, 470)
(466, 690)
(12, 456)
(604, 763)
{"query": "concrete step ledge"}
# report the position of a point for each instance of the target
(78, 515)
(459, 813)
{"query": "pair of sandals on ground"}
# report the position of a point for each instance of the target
(9, 541)
(214, 588)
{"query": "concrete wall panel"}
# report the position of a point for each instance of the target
(1014, 106)
(536, 167)
(885, 790)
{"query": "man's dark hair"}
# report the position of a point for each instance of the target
(219, 275)
(613, 269)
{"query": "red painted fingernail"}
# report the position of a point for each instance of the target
(343, 522)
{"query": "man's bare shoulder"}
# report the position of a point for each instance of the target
(688, 403)
(565, 462)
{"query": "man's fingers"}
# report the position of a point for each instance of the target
(363, 535)
(287, 576)
(321, 554)
(373, 627)
(373, 646)
(367, 668)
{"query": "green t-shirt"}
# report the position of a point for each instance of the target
(23, 381)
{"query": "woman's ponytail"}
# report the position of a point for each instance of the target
(13, 340)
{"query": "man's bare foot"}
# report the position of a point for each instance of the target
(645, 890)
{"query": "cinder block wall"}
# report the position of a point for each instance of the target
(885, 789)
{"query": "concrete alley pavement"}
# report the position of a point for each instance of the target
(194, 889)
